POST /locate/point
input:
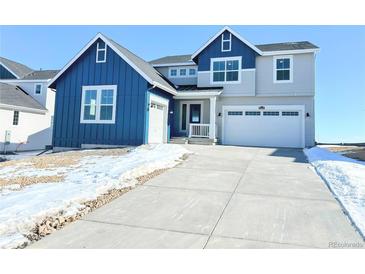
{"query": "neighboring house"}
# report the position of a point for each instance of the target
(26, 107)
(229, 91)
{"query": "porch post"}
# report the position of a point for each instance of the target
(212, 118)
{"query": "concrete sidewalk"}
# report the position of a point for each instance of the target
(220, 197)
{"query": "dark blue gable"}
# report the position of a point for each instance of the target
(5, 74)
(238, 48)
(130, 118)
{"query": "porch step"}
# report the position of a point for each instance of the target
(179, 140)
(201, 141)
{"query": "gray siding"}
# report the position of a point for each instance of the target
(177, 110)
(178, 80)
(245, 88)
(303, 77)
(307, 101)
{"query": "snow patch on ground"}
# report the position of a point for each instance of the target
(346, 178)
(21, 210)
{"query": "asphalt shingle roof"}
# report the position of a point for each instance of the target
(144, 66)
(15, 96)
(264, 47)
(189, 88)
(40, 75)
(172, 59)
(287, 46)
(19, 69)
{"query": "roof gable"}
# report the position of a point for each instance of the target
(15, 68)
(14, 97)
(253, 47)
(150, 74)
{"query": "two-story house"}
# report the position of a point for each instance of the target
(26, 107)
(229, 91)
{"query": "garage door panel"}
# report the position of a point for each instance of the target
(156, 124)
(244, 127)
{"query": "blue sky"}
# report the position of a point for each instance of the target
(340, 66)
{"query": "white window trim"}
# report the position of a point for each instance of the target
(212, 60)
(290, 57)
(226, 40)
(98, 49)
(183, 76)
(98, 99)
(35, 88)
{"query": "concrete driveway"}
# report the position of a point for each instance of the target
(220, 197)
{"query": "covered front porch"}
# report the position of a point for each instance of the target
(195, 113)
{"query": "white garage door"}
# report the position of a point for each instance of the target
(271, 127)
(156, 124)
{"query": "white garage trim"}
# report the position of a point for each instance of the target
(300, 108)
(165, 103)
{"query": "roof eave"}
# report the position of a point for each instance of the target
(284, 52)
(25, 109)
(190, 63)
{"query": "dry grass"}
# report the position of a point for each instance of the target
(64, 159)
(29, 180)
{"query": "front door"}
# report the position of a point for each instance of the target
(195, 114)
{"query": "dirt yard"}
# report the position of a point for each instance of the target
(354, 152)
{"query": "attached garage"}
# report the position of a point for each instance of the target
(268, 126)
(157, 121)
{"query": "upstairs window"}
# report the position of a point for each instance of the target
(15, 118)
(226, 41)
(173, 72)
(98, 104)
(283, 69)
(101, 52)
(225, 70)
(182, 72)
(37, 89)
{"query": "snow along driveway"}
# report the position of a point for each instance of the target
(21, 209)
(346, 178)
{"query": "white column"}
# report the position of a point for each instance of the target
(212, 118)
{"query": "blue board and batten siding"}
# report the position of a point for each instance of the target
(238, 48)
(5, 74)
(129, 127)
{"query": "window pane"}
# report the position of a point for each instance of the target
(232, 76)
(101, 55)
(101, 44)
(89, 112)
(283, 63)
(232, 65)
(283, 75)
(286, 63)
(252, 113)
(89, 96)
(192, 71)
(226, 45)
(182, 72)
(107, 96)
(218, 76)
(226, 35)
(271, 113)
(183, 117)
(38, 89)
(106, 112)
(173, 72)
(219, 65)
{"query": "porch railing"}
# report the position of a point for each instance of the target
(199, 130)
